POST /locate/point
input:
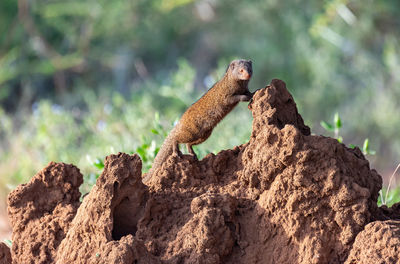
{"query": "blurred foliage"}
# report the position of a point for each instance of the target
(393, 196)
(389, 195)
(335, 128)
(85, 78)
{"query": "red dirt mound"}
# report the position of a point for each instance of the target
(284, 197)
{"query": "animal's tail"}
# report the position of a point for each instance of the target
(164, 152)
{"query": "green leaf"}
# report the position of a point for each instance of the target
(327, 126)
(8, 242)
(338, 122)
(154, 131)
(142, 153)
(393, 196)
(98, 163)
(352, 146)
(156, 151)
(366, 148)
(340, 139)
(145, 146)
(366, 145)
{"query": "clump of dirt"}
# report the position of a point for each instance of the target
(41, 212)
(284, 197)
(103, 230)
(377, 243)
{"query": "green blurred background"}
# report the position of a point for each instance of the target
(83, 79)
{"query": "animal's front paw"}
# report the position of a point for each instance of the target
(251, 100)
(250, 103)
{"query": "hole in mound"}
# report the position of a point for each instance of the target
(116, 184)
(125, 219)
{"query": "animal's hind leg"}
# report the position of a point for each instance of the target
(175, 149)
(190, 150)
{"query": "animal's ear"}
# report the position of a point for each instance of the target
(249, 61)
(231, 66)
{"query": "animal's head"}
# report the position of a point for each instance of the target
(241, 69)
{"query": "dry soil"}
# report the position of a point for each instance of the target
(286, 196)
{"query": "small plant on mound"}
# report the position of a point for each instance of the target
(391, 196)
(335, 128)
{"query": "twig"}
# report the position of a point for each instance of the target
(390, 182)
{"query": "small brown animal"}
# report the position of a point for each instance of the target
(199, 120)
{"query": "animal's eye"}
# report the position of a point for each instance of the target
(241, 70)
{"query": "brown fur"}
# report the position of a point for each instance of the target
(197, 123)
